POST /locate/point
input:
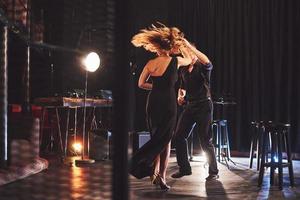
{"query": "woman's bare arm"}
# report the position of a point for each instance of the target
(186, 59)
(144, 78)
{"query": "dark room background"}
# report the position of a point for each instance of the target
(73, 25)
(254, 47)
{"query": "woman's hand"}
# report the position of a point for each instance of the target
(186, 59)
(201, 56)
(186, 43)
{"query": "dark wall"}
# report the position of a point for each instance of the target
(254, 46)
(16, 62)
(45, 62)
(89, 25)
(85, 25)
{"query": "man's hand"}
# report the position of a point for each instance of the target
(180, 97)
(181, 100)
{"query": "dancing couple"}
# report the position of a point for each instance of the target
(161, 108)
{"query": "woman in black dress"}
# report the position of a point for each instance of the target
(152, 159)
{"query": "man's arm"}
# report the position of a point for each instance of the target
(201, 56)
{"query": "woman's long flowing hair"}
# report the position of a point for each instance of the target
(158, 39)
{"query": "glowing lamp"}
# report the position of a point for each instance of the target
(91, 62)
(77, 147)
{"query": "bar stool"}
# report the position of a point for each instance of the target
(279, 133)
(221, 140)
(256, 140)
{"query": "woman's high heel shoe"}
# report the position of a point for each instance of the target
(163, 185)
(154, 178)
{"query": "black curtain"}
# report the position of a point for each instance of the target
(254, 46)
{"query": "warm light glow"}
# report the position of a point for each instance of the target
(92, 62)
(204, 157)
(77, 147)
(77, 182)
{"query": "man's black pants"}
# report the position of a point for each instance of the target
(201, 114)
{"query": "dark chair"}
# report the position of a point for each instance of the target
(279, 134)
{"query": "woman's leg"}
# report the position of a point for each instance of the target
(164, 160)
(156, 166)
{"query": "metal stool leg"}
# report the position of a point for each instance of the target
(227, 144)
(262, 168)
(75, 125)
(67, 132)
(215, 136)
(273, 149)
(253, 143)
(191, 150)
(289, 158)
(219, 142)
(192, 144)
(59, 131)
(280, 175)
(258, 150)
(42, 125)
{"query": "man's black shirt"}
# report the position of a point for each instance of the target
(197, 82)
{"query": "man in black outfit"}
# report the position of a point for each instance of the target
(194, 92)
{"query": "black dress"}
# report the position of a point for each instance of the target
(161, 118)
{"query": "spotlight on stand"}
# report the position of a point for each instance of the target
(91, 63)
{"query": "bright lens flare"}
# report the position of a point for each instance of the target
(77, 147)
(204, 157)
(92, 62)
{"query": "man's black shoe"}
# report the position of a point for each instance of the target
(212, 177)
(180, 174)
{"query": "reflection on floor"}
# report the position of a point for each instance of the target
(93, 182)
(237, 183)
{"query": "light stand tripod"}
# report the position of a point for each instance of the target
(92, 63)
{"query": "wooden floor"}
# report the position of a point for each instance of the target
(93, 182)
